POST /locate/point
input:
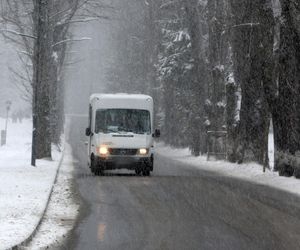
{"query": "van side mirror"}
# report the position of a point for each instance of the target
(157, 133)
(88, 131)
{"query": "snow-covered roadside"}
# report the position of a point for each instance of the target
(62, 211)
(251, 172)
(24, 190)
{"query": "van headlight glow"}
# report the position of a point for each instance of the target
(103, 150)
(143, 151)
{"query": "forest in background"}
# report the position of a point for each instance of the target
(219, 70)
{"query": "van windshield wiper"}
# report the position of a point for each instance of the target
(111, 131)
(122, 129)
(140, 132)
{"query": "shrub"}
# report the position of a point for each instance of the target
(288, 164)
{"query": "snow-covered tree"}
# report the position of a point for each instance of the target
(283, 96)
(252, 43)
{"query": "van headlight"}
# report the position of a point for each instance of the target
(143, 151)
(103, 150)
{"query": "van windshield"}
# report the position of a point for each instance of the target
(123, 120)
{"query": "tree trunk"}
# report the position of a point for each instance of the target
(231, 119)
(42, 137)
(198, 79)
(169, 119)
(152, 54)
(217, 58)
(249, 53)
(286, 115)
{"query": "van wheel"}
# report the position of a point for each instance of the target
(146, 172)
(93, 166)
(99, 172)
(138, 171)
(93, 170)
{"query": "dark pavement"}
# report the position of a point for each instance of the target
(178, 207)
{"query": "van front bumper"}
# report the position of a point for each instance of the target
(125, 162)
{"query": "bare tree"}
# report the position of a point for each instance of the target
(41, 30)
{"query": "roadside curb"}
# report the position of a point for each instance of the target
(23, 244)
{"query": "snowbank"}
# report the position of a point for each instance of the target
(62, 210)
(251, 172)
(24, 190)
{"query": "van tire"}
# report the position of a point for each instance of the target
(94, 169)
(99, 172)
(146, 172)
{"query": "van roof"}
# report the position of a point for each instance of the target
(120, 96)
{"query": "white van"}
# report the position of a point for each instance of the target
(121, 133)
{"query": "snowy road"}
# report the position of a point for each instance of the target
(178, 207)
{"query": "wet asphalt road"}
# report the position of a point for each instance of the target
(178, 207)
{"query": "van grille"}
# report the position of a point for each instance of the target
(123, 151)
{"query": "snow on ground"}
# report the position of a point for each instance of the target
(24, 190)
(249, 172)
(62, 210)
